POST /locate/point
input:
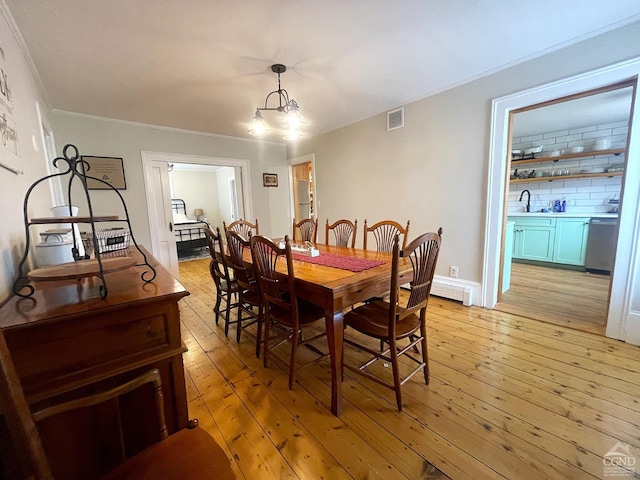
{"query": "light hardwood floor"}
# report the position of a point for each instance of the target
(564, 297)
(508, 398)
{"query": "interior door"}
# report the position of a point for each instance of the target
(161, 219)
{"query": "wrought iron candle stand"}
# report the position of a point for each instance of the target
(77, 169)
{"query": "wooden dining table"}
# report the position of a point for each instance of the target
(335, 289)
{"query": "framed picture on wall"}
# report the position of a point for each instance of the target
(270, 179)
(107, 169)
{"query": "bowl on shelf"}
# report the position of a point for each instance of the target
(579, 149)
(602, 144)
(593, 170)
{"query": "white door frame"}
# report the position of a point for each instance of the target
(629, 218)
(148, 157)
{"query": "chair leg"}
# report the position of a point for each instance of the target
(266, 337)
(216, 309)
(239, 324)
(227, 311)
(396, 371)
(292, 360)
(425, 354)
(259, 332)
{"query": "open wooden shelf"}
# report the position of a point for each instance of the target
(80, 269)
(48, 220)
(591, 153)
(566, 177)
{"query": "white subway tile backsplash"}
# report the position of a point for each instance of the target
(579, 182)
(559, 133)
(592, 189)
(605, 126)
(602, 195)
(583, 195)
(597, 134)
(588, 203)
(606, 181)
(569, 138)
(584, 129)
(531, 138)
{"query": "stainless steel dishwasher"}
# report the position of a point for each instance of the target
(601, 245)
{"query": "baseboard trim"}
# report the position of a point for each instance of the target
(463, 291)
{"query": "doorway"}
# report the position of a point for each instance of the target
(208, 195)
(158, 193)
(622, 320)
(564, 192)
(303, 191)
(302, 178)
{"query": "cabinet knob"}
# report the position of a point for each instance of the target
(170, 226)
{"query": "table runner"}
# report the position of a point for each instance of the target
(342, 262)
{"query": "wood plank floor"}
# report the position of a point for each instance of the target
(509, 398)
(570, 298)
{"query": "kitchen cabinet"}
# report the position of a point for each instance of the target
(570, 244)
(550, 239)
(533, 239)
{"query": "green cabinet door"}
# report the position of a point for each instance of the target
(570, 244)
(534, 242)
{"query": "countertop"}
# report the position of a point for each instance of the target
(565, 215)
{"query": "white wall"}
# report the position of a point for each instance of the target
(198, 189)
(434, 170)
(25, 94)
(104, 137)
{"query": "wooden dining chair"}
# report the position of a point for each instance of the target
(244, 228)
(393, 324)
(282, 308)
(308, 229)
(249, 298)
(226, 286)
(189, 453)
(343, 230)
(384, 232)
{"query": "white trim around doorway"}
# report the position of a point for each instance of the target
(625, 269)
(244, 165)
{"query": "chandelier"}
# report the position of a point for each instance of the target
(292, 122)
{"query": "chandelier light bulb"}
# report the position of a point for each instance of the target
(293, 119)
(259, 126)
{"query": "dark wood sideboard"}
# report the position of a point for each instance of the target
(66, 341)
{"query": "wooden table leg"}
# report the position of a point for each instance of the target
(335, 338)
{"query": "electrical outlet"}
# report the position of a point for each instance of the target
(453, 271)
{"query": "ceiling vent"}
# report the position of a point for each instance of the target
(395, 119)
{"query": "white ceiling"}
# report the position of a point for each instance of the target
(204, 65)
(608, 107)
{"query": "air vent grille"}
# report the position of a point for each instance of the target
(395, 119)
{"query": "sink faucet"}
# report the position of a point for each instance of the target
(528, 199)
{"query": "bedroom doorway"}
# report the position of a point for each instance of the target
(159, 195)
(201, 196)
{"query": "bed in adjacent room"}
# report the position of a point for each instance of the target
(189, 233)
